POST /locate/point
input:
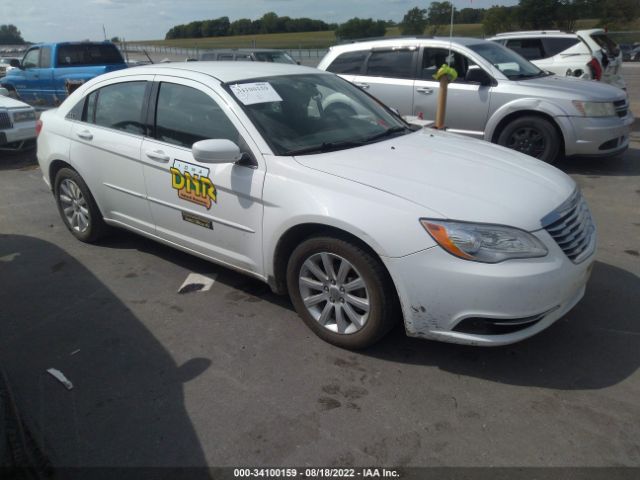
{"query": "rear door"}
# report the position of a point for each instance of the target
(467, 102)
(106, 145)
(212, 209)
(389, 75)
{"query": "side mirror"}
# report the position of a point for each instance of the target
(216, 151)
(478, 75)
(14, 62)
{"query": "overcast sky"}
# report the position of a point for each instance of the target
(59, 20)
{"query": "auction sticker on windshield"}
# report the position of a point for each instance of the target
(258, 92)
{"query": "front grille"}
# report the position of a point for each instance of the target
(621, 107)
(572, 227)
(5, 121)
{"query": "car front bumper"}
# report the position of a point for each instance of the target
(20, 131)
(440, 293)
(600, 137)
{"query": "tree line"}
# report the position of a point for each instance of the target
(562, 14)
(10, 35)
(268, 23)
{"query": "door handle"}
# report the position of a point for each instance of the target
(158, 156)
(424, 90)
(363, 86)
(85, 135)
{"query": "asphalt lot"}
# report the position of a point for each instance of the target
(232, 376)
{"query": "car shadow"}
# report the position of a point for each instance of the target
(126, 407)
(13, 160)
(625, 165)
(596, 345)
(125, 240)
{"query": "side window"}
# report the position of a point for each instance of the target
(32, 58)
(529, 48)
(76, 112)
(244, 58)
(349, 63)
(45, 57)
(185, 115)
(554, 46)
(225, 56)
(118, 106)
(434, 58)
(391, 63)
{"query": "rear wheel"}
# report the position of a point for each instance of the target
(77, 206)
(342, 292)
(532, 136)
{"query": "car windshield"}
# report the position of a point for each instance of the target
(512, 65)
(314, 113)
(275, 57)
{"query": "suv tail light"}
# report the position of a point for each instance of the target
(38, 126)
(596, 69)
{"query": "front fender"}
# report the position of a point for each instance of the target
(559, 115)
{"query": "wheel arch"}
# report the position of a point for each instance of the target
(499, 127)
(293, 236)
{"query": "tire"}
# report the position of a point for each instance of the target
(77, 207)
(532, 136)
(343, 294)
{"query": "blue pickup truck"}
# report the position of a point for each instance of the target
(49, 71)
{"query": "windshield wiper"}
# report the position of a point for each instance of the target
(386, 133)
(324, 147)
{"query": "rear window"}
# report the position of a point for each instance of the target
(554, 46)
(88, 54)
(349, 63)
(529, 48)
(606, 43)
(391, 63)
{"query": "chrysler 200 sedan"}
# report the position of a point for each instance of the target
(364, 220)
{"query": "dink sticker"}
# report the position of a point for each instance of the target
(193, 183)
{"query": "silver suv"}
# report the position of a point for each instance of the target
(499, 96)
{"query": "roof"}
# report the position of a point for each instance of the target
(406, 41)
(227, 71)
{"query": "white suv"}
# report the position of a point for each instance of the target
(586, 54)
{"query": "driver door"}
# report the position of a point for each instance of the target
(211, 209)
(467, 102)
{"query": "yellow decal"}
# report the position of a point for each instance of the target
(193, 183)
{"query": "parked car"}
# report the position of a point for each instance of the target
(5, 65)
(17, 124)
(634, 54)
(586, 54)
(249, 55)
(498, 96)
(362, 219)
(49, 71)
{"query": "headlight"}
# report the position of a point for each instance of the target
(483, 242)
(25, 116)
(595, 109)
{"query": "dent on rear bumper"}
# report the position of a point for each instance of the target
(437, 291)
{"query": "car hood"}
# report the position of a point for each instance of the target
(453, 177)
(8, 102)
(571, 88)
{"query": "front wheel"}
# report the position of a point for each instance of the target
(532, 136)
(341, 291)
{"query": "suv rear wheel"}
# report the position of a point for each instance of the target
(533, 136)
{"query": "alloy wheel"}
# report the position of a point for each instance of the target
(74, 205)
(334, 293)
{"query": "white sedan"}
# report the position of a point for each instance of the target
(362, 219)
